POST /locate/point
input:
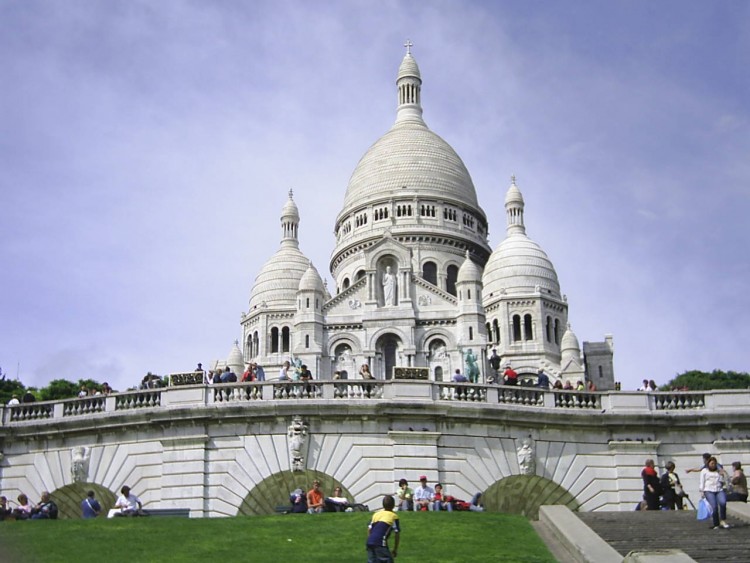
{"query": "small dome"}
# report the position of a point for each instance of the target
(518, 265)
(408, 68)
(278, 281)
(513, 195)
(290, 211)
(311, 280)
(235, 360)
(469, 271)
(570, 341)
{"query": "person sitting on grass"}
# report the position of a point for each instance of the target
(23, 510)
(405, 495)
(423, 495)
(46, 509)
(315, 499)
(441, 501)
(129, 505)
(338, 502)
(382, 524)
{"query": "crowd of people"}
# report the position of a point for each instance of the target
(716, 486)
(45, 509)
(425, 498)
(314, 501)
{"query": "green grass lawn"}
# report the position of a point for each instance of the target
(426, 537)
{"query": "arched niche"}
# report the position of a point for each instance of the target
(274, 490)
(524, 494)
(69, 497)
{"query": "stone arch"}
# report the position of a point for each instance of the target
(69, 497)
(524, 494)
(274, 490)
(446, 335)
(344, 339)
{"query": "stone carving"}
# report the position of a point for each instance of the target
(297, 433)
(79, 464)
(526, 463)
(355, 303)
(389, 288)
(425, 300)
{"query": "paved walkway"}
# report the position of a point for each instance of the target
(657, 530)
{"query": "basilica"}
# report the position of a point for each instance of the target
(418, 289)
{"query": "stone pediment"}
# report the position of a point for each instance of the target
(428, 296)
(387, 245)
(349, 301)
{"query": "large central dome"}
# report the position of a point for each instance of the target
(409, 157)
(409, 160)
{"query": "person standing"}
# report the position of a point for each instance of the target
(712, 482)
(671, 488)
(382, 524)
(651, 486)
(542, 379)
(90, 507)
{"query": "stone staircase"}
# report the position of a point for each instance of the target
(663, 530)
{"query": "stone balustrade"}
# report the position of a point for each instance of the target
(359, 390)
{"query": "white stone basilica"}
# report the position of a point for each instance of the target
(417, 284)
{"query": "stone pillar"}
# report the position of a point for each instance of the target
(185, 474)
(415, 453)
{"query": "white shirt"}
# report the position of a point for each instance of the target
(712, 481)
(129, 502)
(13, 401)
(424, 493)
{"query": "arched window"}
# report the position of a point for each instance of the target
(285, 338)
(439, 373)
(274, 340)
(557, 331)
(307, 341)
(249, 346)
(516, 328)
(496, 326)
(468, 295)
(360, 275)
(471, 333)
(307, 303)
(346, 283)
(450, 282)
(488, 328)
(549, 329)
(529, 335)
(256, 344)
(429, 272)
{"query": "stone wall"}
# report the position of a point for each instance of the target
(238, 448)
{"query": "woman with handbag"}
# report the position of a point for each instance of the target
(712, 482)
(672, 492)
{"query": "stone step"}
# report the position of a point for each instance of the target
(666, 529)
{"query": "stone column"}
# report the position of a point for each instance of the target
(185, 474)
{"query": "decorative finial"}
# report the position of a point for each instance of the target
(512, 180)
(408, 46)
(236, 342)
(291, 193)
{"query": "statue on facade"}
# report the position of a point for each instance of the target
(79, 464)
(389, 287)
(472, 369)
(297, 434)
(526, 463)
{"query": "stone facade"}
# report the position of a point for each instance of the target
(416, 282)
(228, 449)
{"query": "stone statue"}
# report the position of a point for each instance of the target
(79, 464)
(297, 434)
(526, 463)
(472, 369)
(389, 287)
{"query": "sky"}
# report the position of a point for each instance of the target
(147, 148)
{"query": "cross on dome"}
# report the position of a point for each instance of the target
(408, 46)
(512, 181)
(291, 193)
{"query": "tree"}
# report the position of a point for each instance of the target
(695, 380)
(59, 389)
(10, 387)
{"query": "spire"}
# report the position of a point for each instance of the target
(289, 222)
(514, 209)
(409, 85)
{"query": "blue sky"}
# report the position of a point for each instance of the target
(147, 148)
